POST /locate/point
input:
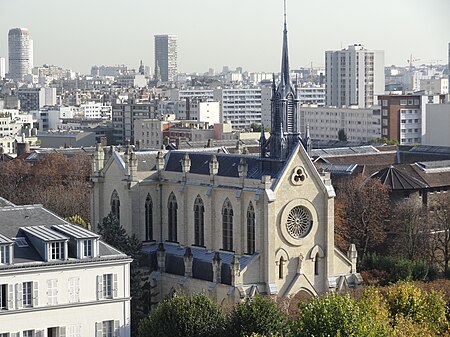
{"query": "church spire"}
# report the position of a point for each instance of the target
(285, 55)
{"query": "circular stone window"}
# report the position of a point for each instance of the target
(298, 222)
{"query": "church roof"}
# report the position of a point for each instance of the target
(398, 180)
(228, 164)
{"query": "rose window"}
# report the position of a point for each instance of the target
(298, 223)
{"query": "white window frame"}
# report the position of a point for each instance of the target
(57, 250)
(27, 294)
(107, 286)
(74, 289)
(5, 256)
(52, 292)
(88, 248)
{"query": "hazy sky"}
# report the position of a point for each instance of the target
(77, 34)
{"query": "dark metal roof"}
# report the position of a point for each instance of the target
(201, 254)
(398, 180)
(75, 231)
(228, 164)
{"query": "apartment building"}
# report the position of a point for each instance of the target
(354, 76)
(58, 279)
(359, 124)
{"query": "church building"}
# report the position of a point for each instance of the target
(232, 225)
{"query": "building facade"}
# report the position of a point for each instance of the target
(20, 53)
(2, 67)
(354, 76)
(165, 57)
(58, 279)
(437, 125)
(232, 225)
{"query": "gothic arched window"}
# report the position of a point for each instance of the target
(227, 225)
(316, 264)
(148, 218)
(115, 204)
(250, 229)
(281, 268)
(172, 208)
(199, 222)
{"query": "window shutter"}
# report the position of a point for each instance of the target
(99, 287)
(39, 333)
(49, 287)
(35, 294)
(62, 331)
(116, 329)
(10, 296)
(98, 329)
(19, 299)
(115, 290)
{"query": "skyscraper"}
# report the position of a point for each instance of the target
(354, 76)
(20, 53)
(2, 67)
(165, 57)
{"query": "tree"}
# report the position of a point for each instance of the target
(364, 207)
(384, 140)
(259, 315)
(405, 300)
(342, 136)
(57, 182)
(409, 232)
(115, 235)
(256, 127)
(77, 220)
(331, 315)
(184, 316)
(440, 220)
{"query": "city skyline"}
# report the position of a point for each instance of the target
(212, 35)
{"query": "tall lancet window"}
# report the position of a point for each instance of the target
(290, 114)
(115, 204)
(199, 222)
(250, 229)
(227, 225)
(172, 209)
(148, 218)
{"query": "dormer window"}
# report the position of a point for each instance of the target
(87, 248)
(5, 257)
(57, 250)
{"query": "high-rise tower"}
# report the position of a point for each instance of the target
(20, 53)
(284, 133)
(165, 57)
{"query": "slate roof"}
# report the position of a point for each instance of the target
(398, 180)
(228, 164)
(200, 253)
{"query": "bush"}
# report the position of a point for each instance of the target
(259, 315)
(184, 316)
(393, 269)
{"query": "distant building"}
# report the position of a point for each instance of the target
(36, 98)
(165, 57)
(2, 67)
(403, 117)
(354, 76)
(359, 124)
(434, 86)
(59, 279)
(124, 115)
(437, 125)
(20, 53)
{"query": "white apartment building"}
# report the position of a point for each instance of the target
(241, 106)
(178, 95)
(20, 53)
(437, 125)
(93, 110)
(354, 76)
(59, 279)
(325, 122)
(14, 126)
(132, 80)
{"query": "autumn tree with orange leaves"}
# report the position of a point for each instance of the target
(361, 208)
(59, 183)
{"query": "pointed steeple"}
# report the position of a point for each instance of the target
(285, 54)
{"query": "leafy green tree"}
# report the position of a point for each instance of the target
(256, 127)
(384, 140)
(184, 316)
(259, 315)
(115, 235)
(77, 220)
(335, 315)
(342, 136)
(406, 300)
(375, 313)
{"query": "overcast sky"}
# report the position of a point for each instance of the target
(77, 34)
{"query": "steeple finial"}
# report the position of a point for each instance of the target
(285, 55)
(285, 15)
